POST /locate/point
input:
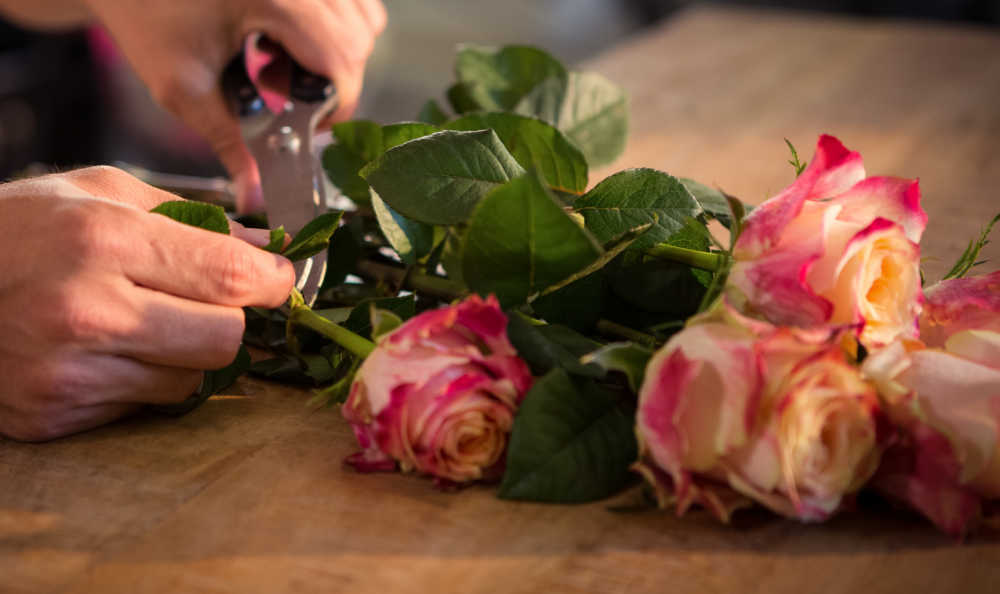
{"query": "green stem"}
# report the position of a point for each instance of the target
(430, 284)
(355, 343)
(609, 328)
(695, 258)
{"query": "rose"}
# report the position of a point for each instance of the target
(438, 394)
(732, 408)
(944, 396)
(834, 248)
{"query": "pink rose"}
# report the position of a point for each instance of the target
(836, 248)
(733, 408)
(945, 398)
(438, 394)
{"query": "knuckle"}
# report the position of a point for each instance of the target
(74, 319)
(90, 229)
(235, 273)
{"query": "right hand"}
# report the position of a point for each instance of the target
(105, 306)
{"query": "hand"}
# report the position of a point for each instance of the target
(105, 306)
(180, 48)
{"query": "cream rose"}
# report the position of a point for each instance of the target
(834, 248)
(733, 409)
(438, 395)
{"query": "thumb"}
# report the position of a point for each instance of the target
(222, 132)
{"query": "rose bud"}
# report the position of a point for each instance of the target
(834, 248)
(438, 395)
(733, 410)
(946, 402)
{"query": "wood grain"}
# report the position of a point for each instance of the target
(248, 494)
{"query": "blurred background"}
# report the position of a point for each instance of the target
(68, 99)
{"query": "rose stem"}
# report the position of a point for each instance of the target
(609, 328)
(435, 286)
(694, 258)
(303, 315)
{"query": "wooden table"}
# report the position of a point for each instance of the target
(248, 494)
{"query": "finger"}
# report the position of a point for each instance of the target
(204, 266)
(212, 119)
(255, 237)
(114, 184)
(374, 13)
(162, 329)
(22, 427)
(333, 44)
(84, 380)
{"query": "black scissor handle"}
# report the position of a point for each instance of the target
(309, 87)
(239, 90)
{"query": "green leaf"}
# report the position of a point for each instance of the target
(577, 305)
(383, 322)
(197, 214)
(410, 239)
(440, 178)
(343, 254)
(519, 241)
(635, 197)
(625, 357)
(968, 258)
(572, 442)
(276, 240)
(314, 237)
(342, 165)
(460, 99)
(536, 145)
(214, 381)
(713, 201)
(360, 320)
(655, 285)
(497, 79)
(594, 114)
(431, 113)
(394, 135)
(546, 347)
(362, 137)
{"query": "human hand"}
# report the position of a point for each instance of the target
(105, 306)
(180, 48)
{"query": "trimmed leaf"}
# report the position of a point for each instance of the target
(536, 145)
(968, 258)
(572, 442)
(519, 241)
(410, 239)
(394, 135)
(497, 79)
(440, 178)
(636, 197)
(431, 113)
(313, 238)
(276, 240)
(214, 381)
(383, 322)
(625, 357)
(360, 320)
(197, 214)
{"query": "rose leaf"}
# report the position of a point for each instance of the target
(197, 214)
(572, 442)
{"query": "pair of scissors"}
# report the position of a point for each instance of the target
(279, 104)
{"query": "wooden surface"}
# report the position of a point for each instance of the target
(248, 493)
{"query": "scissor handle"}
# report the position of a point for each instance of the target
(309, 87)
(239, 90)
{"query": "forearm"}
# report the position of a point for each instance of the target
(46, 14)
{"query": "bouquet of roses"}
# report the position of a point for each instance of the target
(487, 317)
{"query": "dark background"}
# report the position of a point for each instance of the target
(60, 107)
